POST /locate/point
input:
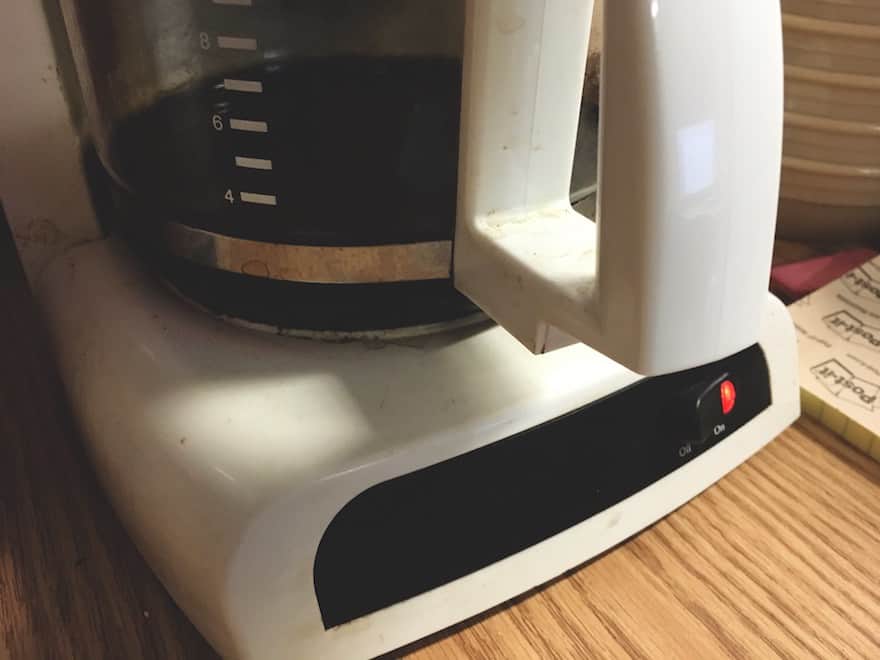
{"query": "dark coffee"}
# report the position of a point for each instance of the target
(322, 151)
(326, 151)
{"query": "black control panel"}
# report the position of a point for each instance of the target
(419, 531)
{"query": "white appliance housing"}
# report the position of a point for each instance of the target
(230, 454)
(227, 453)
(690, 134)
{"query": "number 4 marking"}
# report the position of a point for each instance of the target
(229, 196)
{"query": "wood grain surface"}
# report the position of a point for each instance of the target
(780, 559)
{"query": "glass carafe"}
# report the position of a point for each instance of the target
(287, 163)
(309, 164)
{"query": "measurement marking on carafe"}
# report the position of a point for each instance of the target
(253, 163)
(248, 125)
(259, 198)
(236, 43)
(240, 3)
(253, 86)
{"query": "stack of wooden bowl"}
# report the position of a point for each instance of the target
(831, 153)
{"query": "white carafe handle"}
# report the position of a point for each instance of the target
(675, 272)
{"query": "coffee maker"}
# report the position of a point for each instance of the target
(348, 364)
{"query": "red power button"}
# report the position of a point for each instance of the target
(728, 396)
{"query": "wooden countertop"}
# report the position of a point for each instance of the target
(781, 558)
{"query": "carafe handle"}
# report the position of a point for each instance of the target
(675, 271)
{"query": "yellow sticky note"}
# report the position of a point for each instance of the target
(859, 436)
(875, 448)
(834, 420)
(838, 332)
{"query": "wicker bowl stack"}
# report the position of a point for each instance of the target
(831, 154)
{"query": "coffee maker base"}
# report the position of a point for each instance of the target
(302, 499)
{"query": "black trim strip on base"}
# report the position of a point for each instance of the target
(422, 530)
